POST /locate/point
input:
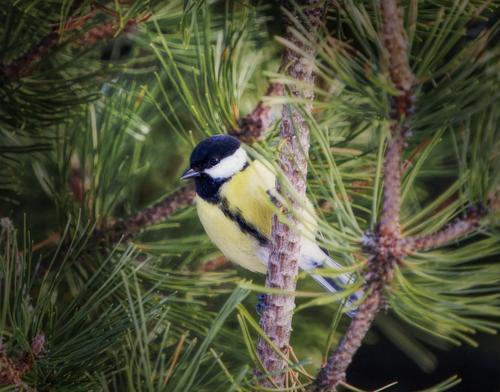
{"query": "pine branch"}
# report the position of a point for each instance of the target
(24, 65)
(253, 125)
(385, 246)
(154, 214)
(283, 264)
(396, 46)
(334, 370)
(108, 30)
(457, 229)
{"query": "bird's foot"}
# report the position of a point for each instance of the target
(261, 304)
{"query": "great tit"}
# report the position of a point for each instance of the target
(234, 201)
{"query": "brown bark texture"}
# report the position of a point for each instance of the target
(283, 264)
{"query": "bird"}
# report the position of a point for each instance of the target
(235, 202)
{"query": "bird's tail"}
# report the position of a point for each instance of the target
(315, 258)
(339, 284)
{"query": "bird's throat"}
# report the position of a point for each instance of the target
(208, 188)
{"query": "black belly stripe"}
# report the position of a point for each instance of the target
(245, 227)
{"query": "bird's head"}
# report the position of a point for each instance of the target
(218, 157)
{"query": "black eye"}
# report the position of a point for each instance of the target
(214, 161)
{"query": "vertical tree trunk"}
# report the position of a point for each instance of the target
(283, 264)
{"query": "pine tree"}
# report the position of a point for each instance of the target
(383, 113)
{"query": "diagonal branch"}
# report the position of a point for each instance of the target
(156, 213)
(252, 126)
(283, 263)
(335, 368)
(455, 230)
(25, 64)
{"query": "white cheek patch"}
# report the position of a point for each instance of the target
(229, 166)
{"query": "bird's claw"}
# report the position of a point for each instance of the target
(261, 304)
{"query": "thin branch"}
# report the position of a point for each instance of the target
(396, 54)
(283, 264)
(214, 264)
(252, 126)
(396, 46)
(455, 230)
(156, 213)
(389, 221)
(24, 65)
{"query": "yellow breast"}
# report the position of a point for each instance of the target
(247, 194)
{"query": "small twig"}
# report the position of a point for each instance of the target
(389, 221)
(24, 65)
(283, 264)
(108, 30)
(175, 358)
(154, 214)
(396, 47)
(52, 239)
(455, 230)
(252, 126)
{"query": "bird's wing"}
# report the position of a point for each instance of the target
(247, 193)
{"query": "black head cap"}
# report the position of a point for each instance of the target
(213, 149)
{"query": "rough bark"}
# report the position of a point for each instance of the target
(156, 213)
(335, 369)
(458, 228)
(252, 126)
(283, 264)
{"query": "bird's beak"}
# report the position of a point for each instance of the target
(190, 174)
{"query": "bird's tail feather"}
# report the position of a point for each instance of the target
(313, 258)
(338, 283)
(332, 285)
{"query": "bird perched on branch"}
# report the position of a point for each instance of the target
(234, 200)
